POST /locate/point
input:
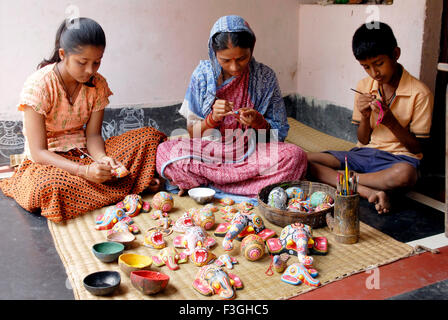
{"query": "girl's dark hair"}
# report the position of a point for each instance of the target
(373, 40)
(243, 39)
(74, 33)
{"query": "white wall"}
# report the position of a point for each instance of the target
(327, 68)
(152, 45)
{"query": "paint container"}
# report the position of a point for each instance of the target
(344, 225)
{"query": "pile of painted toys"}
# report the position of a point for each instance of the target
(296, 200)
(242, 223)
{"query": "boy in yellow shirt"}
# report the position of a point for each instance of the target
(392, 112)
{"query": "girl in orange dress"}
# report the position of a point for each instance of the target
(63, 106)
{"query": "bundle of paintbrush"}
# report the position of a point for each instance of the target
(347, 183)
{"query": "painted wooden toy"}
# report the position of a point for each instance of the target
(278, 198)
(110, 217)
(241, 226)
(252, 247)
(124, 225)
(279, 262)
(225, 260)
(297, 273)
(296, 239)
(228, 212)
(194, 237)
(133, 204)
(226, 201)
(295, 193)
(210, 207)
(154, 238)
(202, 256)
(204, 219)
(245, 206)
(183, 223)
(158, 214)
(166, 225)
(212, 279)
(162, 201)
(120, 172)
(169, 257)
(320, 197)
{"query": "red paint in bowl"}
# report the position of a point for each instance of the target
(149, 282)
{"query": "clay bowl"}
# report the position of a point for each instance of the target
(202, 195)
(125, 238)
(129, 262)
(102, 283)
(149, 282)
(107, 251)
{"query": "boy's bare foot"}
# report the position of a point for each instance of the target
(381, 201)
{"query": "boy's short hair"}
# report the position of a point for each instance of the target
(373, 39)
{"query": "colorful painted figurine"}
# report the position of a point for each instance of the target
(158, 214)
(165, 224)
(279, 261)
(278, 198)
(245, 206)
(169, 257)
(154, 238)
(124, 225)
(226, 201)
(212, 279)
(162, 201)
(133, 204)
(295, 193)
(110, 217)
(229, 213)
(241, 226)
(204, 219)
(296, 239)
(202, 256)
(194, 237)
(252, 247)
(120, 172)
(210, 207)
(297, 273)
(226, 261)
(320, 197)
(183, 223)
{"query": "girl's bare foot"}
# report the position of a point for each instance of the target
(381, 201)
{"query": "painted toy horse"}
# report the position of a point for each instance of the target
(212, 279)
(242, 225)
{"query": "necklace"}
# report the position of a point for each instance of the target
(69, 96)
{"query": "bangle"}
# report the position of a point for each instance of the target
(87, 169)
(210, 122)
(77, 170)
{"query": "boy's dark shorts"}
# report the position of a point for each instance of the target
(365, 160)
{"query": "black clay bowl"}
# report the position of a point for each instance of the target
(108, 251)
(102, 283)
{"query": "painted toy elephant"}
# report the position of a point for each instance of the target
(169, 257)
(297, 273)
(212, 279)
(296, 239)
(242, 225)
(194, 237)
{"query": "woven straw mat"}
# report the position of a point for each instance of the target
(74, 239)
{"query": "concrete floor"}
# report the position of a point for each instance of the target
(31, 268)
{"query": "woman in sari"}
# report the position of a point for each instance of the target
(233, 105)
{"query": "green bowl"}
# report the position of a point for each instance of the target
(108, 251)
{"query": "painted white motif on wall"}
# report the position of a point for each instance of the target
(129, 119)
(11, 139)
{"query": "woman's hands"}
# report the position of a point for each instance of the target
(221, 109)
(251, 118)
(99, 171)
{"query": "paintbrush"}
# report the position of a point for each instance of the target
(346, 175)
(87, 155)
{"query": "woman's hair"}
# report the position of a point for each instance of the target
(73, 34)
(371, 41)
(243, 39)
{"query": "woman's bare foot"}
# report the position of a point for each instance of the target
(155, 185)
(381, 201)
(181, 192)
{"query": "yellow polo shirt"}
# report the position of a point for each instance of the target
(412, 107)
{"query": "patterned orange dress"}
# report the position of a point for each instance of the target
(57, 193)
